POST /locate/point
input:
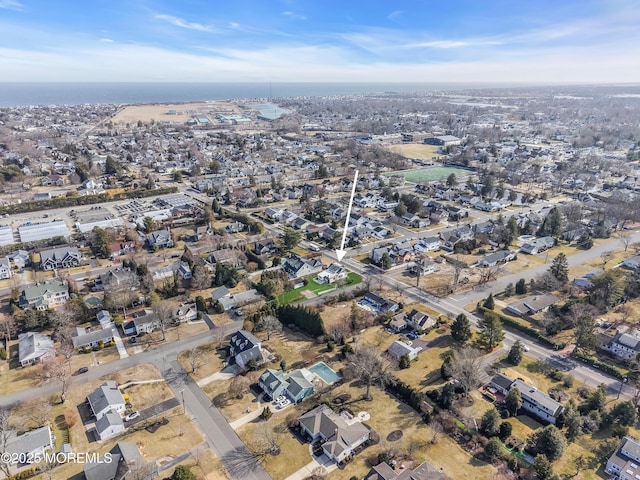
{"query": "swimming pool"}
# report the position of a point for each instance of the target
(325, 373)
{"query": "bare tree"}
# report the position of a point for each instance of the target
(8, 325)
(268, 438)
(218, 334)
(437, 430)
(35, 412)
(367, 365)
(606, 257)
(200, 278)
(57, 369)
(195, 359)
(163, 311)
(625, 238)
(465, 368)
(270, 324)
(239, 386)
(487, 275)
(6, 432)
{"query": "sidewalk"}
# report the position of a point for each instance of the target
(249, 417)
(226, 373)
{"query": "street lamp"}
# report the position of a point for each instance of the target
(183, 407)
(624, 380)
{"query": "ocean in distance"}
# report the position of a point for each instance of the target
(16, 94)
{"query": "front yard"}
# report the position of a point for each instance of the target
(313, 289)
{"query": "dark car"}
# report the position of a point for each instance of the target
(83, 369)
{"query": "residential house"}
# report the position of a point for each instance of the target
(632, 262)
(34, 347)
(495, 258)
(116, 278)
(273, 213)
(144, 322)
(245, 347)
(399, 349)
(429, 244)
(624, 463)
(532, 304)
(297, 267)
(121, 248)
(413, 220)
(235, 227)
(186, 312)
(340, 438)
(288, 217)
(295, 385)
(376, 254)
(108, 426)
(332, 274)
(125, 463)
(106, 398)
(533, 400)
(88, 339)
(160, 239)
(265, 247)
(104, 318)
(378, 303)
(52, 180)
(501, 383)
(31, 445)
(5, 268)
(538, 245)
(424, 471)
(227, 257)
(184, 270)
(422, 266)
(42, 296)
(398, 323)
(300, 223)
(61, 257)
(419, 320)
(20, 259)
(220, 293)
(624, 345)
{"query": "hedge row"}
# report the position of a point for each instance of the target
(532, 332)
(76, 201)
(598, 364)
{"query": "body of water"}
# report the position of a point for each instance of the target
(14, 94)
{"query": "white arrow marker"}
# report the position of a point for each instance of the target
(341, 253)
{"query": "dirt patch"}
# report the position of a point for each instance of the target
(308, 294)
(394, 436)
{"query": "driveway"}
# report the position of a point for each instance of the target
(122, 351)
(306, 471)
(154, 410)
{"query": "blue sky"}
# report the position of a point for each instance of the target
(560, 41)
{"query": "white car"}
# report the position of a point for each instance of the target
(525, 347)
(131, 416)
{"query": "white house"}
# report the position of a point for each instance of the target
(109, 425)
(186, 312)
(624, 345)
(31, 444)
(399, 349)
(332, 274)
(245, 347)
(106, 398)
(5, 268)
(624, 463)
(34, 347)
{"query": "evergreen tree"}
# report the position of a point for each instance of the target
(489, 302)
(493, 448)
(505, 431)
(290, 239)
(490, 423)
(586, 338)
(385, 261)
(560, 268)
(624, 413)
(513, 401)
(515, 353)
(549, 441)
(542, 467)
(509, 290)
(460, 329)
(446, 370)
(521, 287)
(405, 362)
(491, 332)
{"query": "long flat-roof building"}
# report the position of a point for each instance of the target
(43, 231)
(6, 236)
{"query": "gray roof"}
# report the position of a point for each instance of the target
(628, 340)
(32, 346)
(108, 420)
(532, 303)
(242, 341)
(398, 349)
(104, 335)
(105, 396)
(220, 292)
(31, 441)
(339, 435)
(537, 397)
(502, 381)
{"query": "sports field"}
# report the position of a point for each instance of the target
(432, 174)
(415, 150)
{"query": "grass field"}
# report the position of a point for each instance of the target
(432, 174)
(296, 295)
(420, 151)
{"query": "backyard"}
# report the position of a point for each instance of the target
(313, 289)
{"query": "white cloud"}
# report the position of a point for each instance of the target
(395, 15)
(106, 40)
(182, 23)
(454, 44)
(294, 16)
(11, 5)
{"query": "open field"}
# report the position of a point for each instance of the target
(158, 112)
(431, 174)
(314, 288)
(420, 151)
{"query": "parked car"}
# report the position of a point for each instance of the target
(83, 369)
(525, 347)
(131, 416)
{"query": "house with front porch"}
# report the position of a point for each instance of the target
(34, 347)
(83, 339)
(339, 439)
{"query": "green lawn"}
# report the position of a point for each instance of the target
(295, 295)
